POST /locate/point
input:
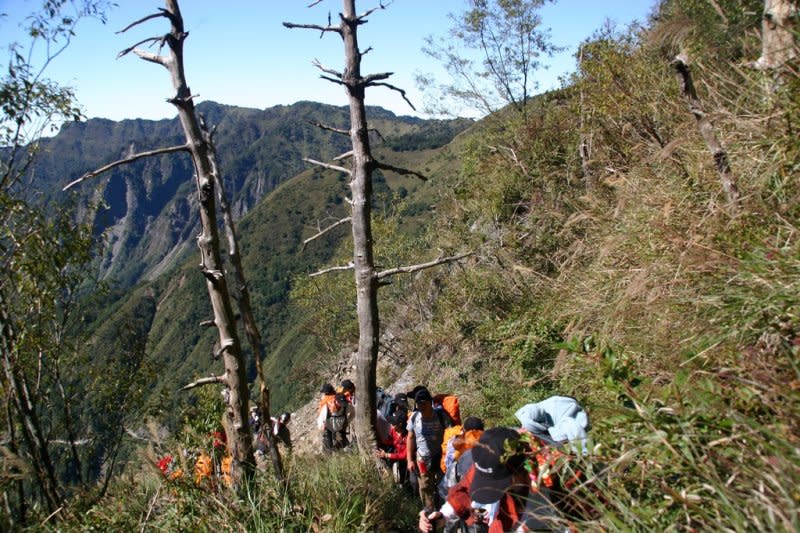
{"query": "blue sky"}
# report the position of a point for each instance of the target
(238, 52)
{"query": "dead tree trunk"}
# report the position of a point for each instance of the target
(777, 34)
(246, 309)
(362, 165)
(206, 179)
(584, 137)
(706, 128)
(234, 379)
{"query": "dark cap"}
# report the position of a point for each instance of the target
(327, 389)
(492, 473)
(413, 392)
(348, 385)
(423, 395)
(473, 423)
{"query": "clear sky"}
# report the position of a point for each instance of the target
(238, 52)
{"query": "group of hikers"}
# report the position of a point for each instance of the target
(470, 478)
(279, 427)
(215, 465)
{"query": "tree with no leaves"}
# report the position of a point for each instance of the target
(200, 146)
(362, 165)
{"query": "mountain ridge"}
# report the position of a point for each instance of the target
(145, 208)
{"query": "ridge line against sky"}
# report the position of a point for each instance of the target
(240, 54)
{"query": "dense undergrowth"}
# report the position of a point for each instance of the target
(624, 279)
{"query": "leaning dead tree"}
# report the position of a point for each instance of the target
(706, 129)
(199, 145)
(362, 165)
(251, 330)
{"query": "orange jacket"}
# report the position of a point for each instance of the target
(203, 468)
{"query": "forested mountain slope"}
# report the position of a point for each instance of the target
(144, 209)
(273, 254)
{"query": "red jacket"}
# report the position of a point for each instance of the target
(507, 516)
(399, 445)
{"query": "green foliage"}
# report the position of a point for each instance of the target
(674, 323)
(720, 30)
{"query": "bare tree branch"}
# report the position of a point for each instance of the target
(205, 381)
(129, 159)
(706, 129)
(148, 40)
(511, 155)
(312, 4)
(162, 13)
(326, 70)
(323, 29)
(153, 58)
(370, 12)
(132, 434)
(349, 266)
(326, 230)
(415, 268)
(330, 128)
(394, 88)
(343, 156)
(377, 132)
(399, 170)
(333, 80)
(367, 80)
(326, 165)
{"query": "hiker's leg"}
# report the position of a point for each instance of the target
(427, 490)
(413, 482)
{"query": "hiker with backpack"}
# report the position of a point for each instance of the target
(387, 406)
(504, 490)
(280, 429)
(348, 388)
(333, 421)
(394, 451)
(557, 420)
(424, 446)
(457, 458)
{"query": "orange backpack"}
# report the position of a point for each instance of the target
(449, 403)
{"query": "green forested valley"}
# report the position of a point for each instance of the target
(630, 240)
